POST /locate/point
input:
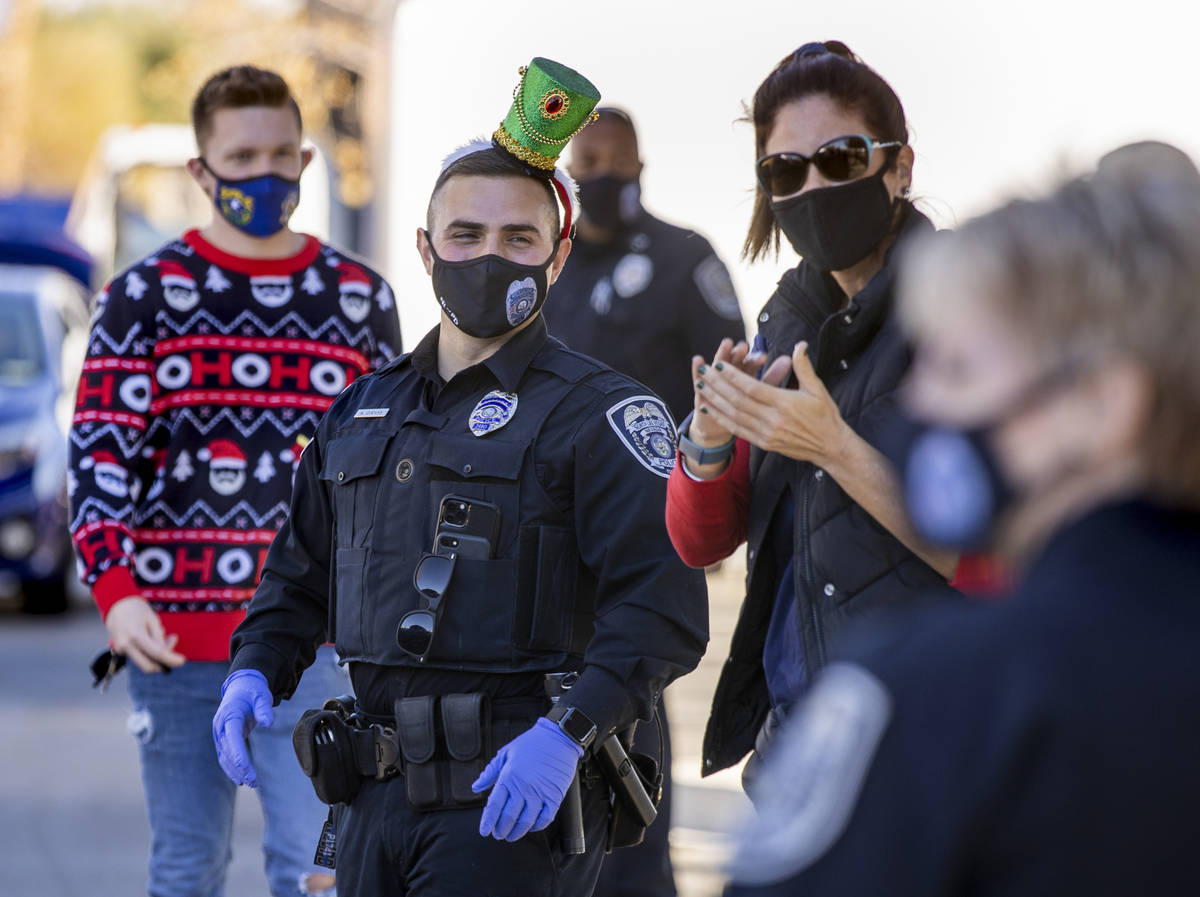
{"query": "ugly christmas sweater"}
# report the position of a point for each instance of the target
(206, 374)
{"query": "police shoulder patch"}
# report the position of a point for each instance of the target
(645, 427)
(813, 775)
(716, 286)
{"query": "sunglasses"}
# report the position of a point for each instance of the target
(431, 578)
(106, 665)
(840, 159)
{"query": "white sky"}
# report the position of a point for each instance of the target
(998, 96)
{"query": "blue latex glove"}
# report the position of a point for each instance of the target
(529, 777)
(245, 700)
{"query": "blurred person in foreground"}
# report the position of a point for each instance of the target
(209, 365)
(642, 296)
(479, 518)
(790, 462)
(1045, 745)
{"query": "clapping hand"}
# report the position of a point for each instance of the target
(804, 423)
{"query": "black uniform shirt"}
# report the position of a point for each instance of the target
(1044, 746)
(583, 575)
(645, 304)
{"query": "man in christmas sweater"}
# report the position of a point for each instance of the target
(209, 365)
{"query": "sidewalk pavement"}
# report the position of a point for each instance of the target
(72, 819)
(706, 811)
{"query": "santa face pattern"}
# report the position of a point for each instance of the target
(194, 392)
(226, 466)
(273, 291)
(178, 286)
(354, 291)
(107, 473)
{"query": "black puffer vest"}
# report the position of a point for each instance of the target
(847, 564)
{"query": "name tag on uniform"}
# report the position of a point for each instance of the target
(370, 412)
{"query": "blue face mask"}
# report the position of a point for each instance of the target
(259, 206)
(955, 487)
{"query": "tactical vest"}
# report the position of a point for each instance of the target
(530, 606)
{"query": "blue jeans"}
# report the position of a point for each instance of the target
(189, 800)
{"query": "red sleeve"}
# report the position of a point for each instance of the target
(111, 586)
(706, 519)
(983, 576)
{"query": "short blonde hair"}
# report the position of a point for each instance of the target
(1107, 264)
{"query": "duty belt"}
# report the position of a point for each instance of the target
(376, 745)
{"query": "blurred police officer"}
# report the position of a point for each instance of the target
(564, 463)
(1046, 745)
(639, 294)
(642, 296)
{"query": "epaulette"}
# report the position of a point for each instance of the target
(569, 365)
(393, 363)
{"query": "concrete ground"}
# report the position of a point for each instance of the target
(71, 814)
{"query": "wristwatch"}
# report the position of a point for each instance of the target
(698, 454)
(575, 724)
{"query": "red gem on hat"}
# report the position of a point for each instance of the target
(553, 104)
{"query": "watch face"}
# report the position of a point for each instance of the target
(577, 726)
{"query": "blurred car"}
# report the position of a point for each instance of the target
(43, 336)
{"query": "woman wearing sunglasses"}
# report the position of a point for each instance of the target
(787, 461)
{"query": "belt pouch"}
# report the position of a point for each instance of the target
(323, 747)
(415, 728)
(465, 723)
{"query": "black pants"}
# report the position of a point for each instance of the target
(385, 848)
(645, 870)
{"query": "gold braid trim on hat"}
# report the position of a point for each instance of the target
(533, 133)
(522, 152)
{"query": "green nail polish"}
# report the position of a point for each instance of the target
(703, 368)
(719, 366)
(699, 384)
(704, 411)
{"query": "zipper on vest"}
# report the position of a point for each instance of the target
(806, 559)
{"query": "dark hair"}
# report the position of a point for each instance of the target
(236, 88)
(828, 68)
(492, 163)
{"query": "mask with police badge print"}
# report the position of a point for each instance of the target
(259, 206)
(488, 296)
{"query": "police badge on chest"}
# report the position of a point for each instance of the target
(493, 412)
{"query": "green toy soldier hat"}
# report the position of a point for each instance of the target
(551, 104)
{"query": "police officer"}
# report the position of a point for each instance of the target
(1043, 745)
(642, 296)
(638, 293)
(483, 512)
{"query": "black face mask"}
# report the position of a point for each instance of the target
(833, 228)
(610, 202)
(488, 296)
